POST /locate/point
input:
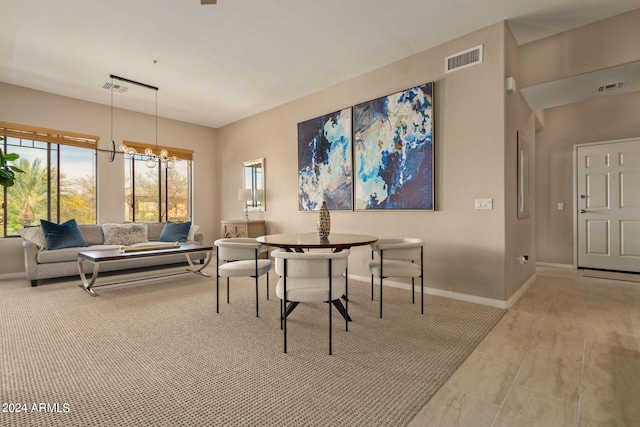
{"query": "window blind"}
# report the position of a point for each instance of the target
(48, 135)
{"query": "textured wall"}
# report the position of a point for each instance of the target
(600, 45)
(465, 248)
(604, 119)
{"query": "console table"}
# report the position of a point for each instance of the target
(242, 228)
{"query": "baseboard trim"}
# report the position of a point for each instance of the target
(515, 297)
(10, 276)
(438, 292)
(554, 265)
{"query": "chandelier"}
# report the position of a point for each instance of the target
(152, 159)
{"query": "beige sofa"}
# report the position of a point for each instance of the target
(48, 264)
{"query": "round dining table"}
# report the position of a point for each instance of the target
(300, 241)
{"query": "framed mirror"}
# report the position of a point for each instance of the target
(253, 178)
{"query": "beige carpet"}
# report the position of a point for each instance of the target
(157, 354)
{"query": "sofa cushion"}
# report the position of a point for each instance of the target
(69, 254)
(92, 233)
(125, 234)
(175, 232)
(34, 235)
(191, 237)
(154, 229)
(65, 235)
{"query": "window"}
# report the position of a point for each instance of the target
(59, 182)
(159, 193)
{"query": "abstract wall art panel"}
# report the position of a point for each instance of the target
(325, 162)
(393, 150)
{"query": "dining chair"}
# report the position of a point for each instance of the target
(241, 259)
(310, 277)
(397, 258)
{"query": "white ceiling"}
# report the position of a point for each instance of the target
(217, 64)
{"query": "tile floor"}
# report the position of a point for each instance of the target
(566, 354)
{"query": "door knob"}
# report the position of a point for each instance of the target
(583, 211)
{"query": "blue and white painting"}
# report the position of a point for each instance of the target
(325, 162)
(393, 149)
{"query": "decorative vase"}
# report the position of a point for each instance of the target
(324, 221)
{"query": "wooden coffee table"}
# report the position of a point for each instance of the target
(116, 255)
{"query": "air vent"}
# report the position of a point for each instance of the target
(611, 86)
(463, 59)
(116, 87)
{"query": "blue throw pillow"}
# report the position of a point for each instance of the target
(175, 232)
(66, 235)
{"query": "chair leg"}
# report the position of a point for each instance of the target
(413, 291)
(346, 299)
(217, 294)
(217, 284)
(381, 297)
(267, 286)
(330, 304)
(284, 301)
(381, 276)
(257, 296)
(330, 323)
(372, 287)
(281, 314)
(227, 290)
(371, 278)
(421, 294)
(421, 280)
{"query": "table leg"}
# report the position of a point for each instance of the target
(86, 285)
(337, 304)
(198, 269)
(292, 305)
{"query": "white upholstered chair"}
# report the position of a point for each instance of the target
(397, 258)
(310, 277)
(241, 259)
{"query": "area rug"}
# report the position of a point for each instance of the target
(612, 275)
(157, 354)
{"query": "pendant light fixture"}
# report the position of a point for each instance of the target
(112, 143)
(152, 159)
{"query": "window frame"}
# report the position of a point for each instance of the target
(49, 137)
(162, 202)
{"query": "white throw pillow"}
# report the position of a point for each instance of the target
(34, 235)
(125, 234)
(192, 232)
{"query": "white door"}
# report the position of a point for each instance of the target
(608, 203)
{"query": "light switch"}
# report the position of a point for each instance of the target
(484, 203)
(560, 206)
